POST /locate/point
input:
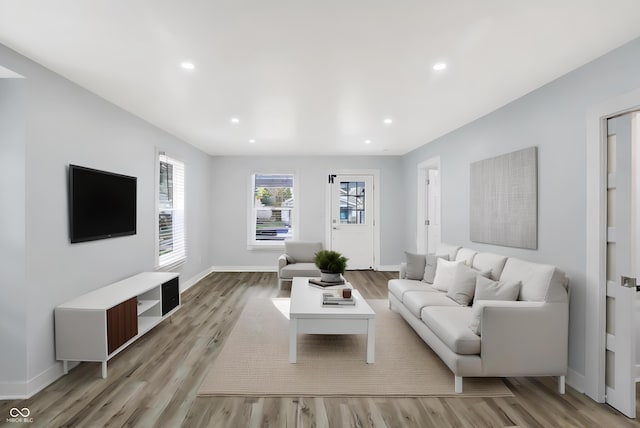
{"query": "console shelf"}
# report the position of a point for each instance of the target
(98, 325)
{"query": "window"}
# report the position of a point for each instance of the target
(272, 219)
(352, 202)
(171, 220)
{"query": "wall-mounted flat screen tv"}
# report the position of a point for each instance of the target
(101, 204)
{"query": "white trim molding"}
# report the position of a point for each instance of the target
(195, 279)
(244, 269)
(596, 234)
(423, 174)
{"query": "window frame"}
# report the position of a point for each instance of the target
(252, 243)
(162, 156)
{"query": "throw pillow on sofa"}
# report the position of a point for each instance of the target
(463, 286)
(431, 265)
(445, 274)
(486, 290)
(415, 265)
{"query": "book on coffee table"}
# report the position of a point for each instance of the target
(330, 299)
(322, 284)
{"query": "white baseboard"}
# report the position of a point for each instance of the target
(389, 268)
(195, 279)
(244, 269)
(23, 390)
(575, 380)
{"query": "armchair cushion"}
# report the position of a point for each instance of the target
(299, 269)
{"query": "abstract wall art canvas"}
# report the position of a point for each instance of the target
(504, 200)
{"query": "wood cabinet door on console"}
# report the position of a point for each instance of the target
(122, 323)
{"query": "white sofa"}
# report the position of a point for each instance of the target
(526, 337)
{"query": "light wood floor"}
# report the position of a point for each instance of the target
(155, 381)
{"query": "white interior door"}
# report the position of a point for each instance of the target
(622, 263)
(433, 210)
(352, 219)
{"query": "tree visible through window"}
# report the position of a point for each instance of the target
(171, 228)
(273, 208)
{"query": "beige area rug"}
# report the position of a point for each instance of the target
(255, 361)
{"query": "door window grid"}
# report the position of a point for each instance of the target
(352, 202)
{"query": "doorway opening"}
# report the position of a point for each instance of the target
(610, 365)
(429, 229)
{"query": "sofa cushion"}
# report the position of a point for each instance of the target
(464, 284)
(451, 325)
(398, 287)
(445, 274)
(540, 283)
(466, 255)
(416, 300)
(487, 289)
(302, 251)
(299, 269)
(491, 262)
(415, 265)
(451, 250)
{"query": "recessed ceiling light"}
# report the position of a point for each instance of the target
(440, 66)
(187, 65)
(367, 141)
(252, 141)
(388, 121)
(234, 120)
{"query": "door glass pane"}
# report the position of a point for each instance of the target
(352, 202)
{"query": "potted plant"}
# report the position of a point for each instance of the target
(331, 264)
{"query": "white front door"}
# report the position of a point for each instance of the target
(622, 262)
(352, 219)
(433, 210)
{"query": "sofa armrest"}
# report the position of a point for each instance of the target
(282, 262)
(524, 338)
(403, 270)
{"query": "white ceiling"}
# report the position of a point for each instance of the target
(314, 77)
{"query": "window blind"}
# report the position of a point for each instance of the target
(171, 218)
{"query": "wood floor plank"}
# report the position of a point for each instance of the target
(155, 381)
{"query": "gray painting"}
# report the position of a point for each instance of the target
(504, 200)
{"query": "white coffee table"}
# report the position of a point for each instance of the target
(307, 315)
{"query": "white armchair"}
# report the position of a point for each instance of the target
(297, 260)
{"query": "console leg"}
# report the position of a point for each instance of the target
(65, 366)
(561, 381)
(458, 384)
(104, 370)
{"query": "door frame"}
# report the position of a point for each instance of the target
(596, 237)
(423, 174)
(376, 209)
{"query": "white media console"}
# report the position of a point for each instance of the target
(98, 325)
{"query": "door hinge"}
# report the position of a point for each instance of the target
(428, 182)
(427, 222)
(331, 177)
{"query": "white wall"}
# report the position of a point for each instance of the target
(231, 183)
(13, 319)
(553, 118)
(67, 124)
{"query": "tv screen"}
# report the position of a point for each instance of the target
(101, 204)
